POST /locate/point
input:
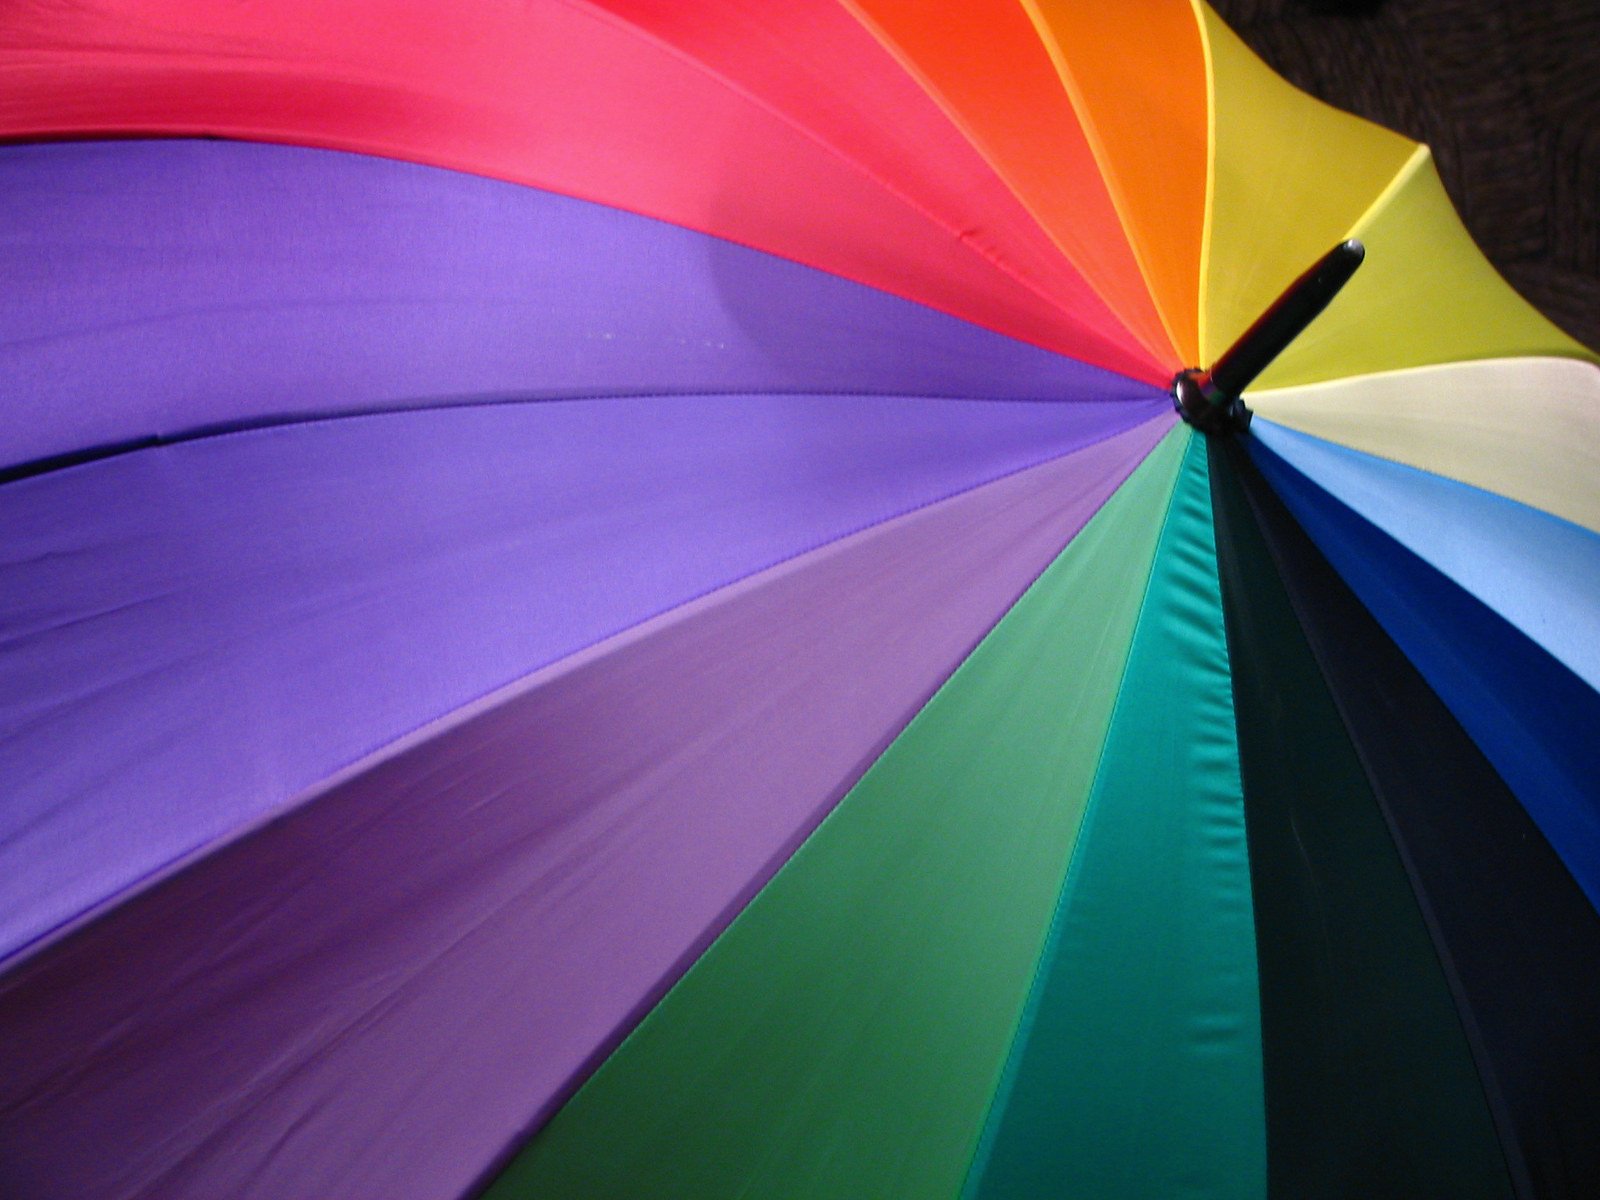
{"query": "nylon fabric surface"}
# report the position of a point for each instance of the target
(1361, 1041)
(604, 599)
(1533, 719)
(1144, 114)
(1539, 573)
(844, 1035)
(1523, 951)
(256, 282)
(1146, 997)
(499, 877)
(219, 624)
(1287, 163)
(818, 67)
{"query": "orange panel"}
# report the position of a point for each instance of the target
(1136, 73)
(987, 67)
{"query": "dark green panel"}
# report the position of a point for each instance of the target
(1371, 1088)
(1137, 1070)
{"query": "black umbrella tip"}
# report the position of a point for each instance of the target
(1210, 400)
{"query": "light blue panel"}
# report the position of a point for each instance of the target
(1540, 573)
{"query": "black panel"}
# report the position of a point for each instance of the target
(1517, 937)
(1370, 1083)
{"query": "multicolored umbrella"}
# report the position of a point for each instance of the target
(605, 598)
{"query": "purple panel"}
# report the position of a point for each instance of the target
(191, 634)
(380, 993)
(153, 287)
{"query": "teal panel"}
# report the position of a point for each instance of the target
(1136, 1071)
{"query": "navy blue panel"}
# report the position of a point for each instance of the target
(1518, 940)
(1536, 722)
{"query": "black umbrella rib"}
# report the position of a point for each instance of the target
(44, 465)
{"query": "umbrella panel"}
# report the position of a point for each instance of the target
(462, 879)
(1145, 997)
(1361, 1041)
(1535, 570)
(1518, 940)
(1532, 716)
(845, 1034)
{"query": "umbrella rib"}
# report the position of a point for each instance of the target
(217, 429)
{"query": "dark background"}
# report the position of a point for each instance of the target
(1506, 92)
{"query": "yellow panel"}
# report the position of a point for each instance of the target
(1527, 428)
(1290, 176)
(1424, 295)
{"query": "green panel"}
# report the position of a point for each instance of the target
(1371, 1087)
(1137, 1068)
(845, 1034)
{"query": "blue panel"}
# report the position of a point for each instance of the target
(1535, 720)
(1539, 572)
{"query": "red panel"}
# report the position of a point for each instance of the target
(984, 61)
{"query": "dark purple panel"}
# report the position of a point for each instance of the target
(191, 634)
(152, 287)
(381, 993)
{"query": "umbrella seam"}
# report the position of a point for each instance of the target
(1104, 163)
(50, 464)
(783, 856)
(1207, 220)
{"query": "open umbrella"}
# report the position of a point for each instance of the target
(607, 599)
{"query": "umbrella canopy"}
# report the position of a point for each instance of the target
(605, 598)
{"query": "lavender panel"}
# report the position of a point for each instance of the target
(191, 634)
(381, 993)
(152, 287)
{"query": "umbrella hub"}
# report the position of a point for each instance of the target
(1212, 400)
(1201, 403)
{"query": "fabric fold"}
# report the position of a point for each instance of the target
(155, 288)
